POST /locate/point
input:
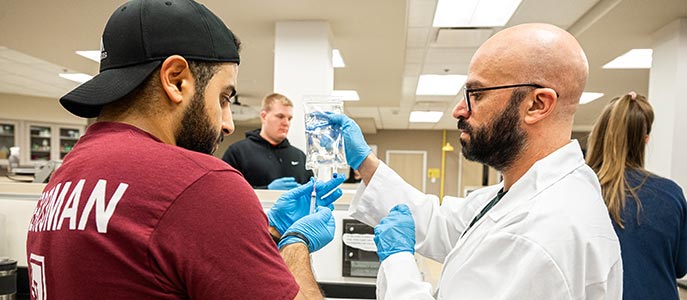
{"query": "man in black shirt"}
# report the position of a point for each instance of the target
(265, 156)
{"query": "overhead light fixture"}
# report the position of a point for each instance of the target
(425, 116)
(633, 59)
(337, 60)
(93, 55)
(346, 95)
(440, 85)
(474, 13)
(78, 77)
(589, 97)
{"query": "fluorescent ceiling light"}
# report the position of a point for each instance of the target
(346, 95)
(633, 59)
(589, 97)
(474, 13)
(425, 116)
(93, 55)
(440, 85)
(337, 60)
(78, 77)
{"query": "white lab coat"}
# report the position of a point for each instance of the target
(550, 236)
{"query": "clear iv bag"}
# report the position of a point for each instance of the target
(324, 143)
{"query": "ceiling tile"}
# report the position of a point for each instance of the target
(412, 70)
(446, 68)
(562, 13)
(394, 117)
(461, 37)
(415, 55)
(421, 126)
(449, 55)
(417, 37)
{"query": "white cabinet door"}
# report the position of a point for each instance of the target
(9, 137)
(67, 138)
(47, 141)
(40, 142)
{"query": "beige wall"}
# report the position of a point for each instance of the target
(28, 108)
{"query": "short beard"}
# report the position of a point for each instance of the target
(500, 143)
(196, 132)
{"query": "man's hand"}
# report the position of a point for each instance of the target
(284, 183)
(315, 230)
(354, 141)
(295, 203)
(395, 233)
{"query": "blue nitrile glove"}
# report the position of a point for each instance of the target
(354, 141)
(315, 230)
(284, 183)
(395, 233)
(295, 203)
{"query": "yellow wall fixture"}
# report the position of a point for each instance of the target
(433, 174)
(444, 148)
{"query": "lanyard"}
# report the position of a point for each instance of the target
(486, 208)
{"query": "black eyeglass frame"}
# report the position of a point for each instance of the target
(510, 86)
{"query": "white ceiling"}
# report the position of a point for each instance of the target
(386, 44)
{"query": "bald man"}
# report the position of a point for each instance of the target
(542, 233)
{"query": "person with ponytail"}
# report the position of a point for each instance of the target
(649, 212)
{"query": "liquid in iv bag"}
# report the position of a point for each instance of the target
(324, 142)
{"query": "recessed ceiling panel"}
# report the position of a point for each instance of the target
(460, 37)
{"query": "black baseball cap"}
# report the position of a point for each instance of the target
(139, 36)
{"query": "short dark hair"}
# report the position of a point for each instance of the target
(202, 72)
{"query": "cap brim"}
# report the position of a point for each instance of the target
(110, 85)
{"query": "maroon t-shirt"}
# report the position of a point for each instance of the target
(129, 217)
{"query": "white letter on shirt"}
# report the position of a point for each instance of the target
(103, 212)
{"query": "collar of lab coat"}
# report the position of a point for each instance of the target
(543, 173)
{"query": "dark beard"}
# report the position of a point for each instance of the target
(499, 144)
(196, 132)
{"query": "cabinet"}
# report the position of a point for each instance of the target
(50, 141)
(8, 139)
(38, 142)
(67, 139)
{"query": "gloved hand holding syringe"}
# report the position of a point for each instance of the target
(295, 203)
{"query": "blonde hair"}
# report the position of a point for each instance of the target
(618, 142)
(275, 98)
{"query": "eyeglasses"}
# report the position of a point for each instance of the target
(468, 91)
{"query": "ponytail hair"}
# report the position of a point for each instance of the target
(617, 143)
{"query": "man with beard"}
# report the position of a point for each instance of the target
(542, 233)
(139, 209)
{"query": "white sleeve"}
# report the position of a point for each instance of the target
(437, 228)
(399, 279)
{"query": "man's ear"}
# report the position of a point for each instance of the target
(262, 115)
(176, 78)
(540, 106)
